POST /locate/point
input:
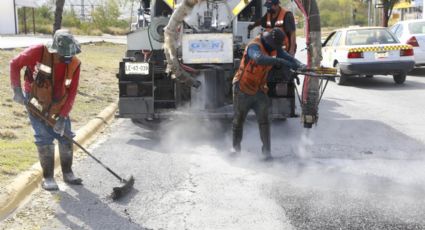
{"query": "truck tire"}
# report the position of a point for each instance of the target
(342, 79)
(399, 78)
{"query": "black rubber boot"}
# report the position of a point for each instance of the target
(237, 139)
(265, 138)
(291, 94)
(293, 108)
(46, 155)
(66, 156)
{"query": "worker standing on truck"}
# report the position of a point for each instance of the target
(279, 17)
(250, 84)
(51, 78)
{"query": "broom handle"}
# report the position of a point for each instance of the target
(51, 123)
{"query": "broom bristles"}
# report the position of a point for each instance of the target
(121, 191)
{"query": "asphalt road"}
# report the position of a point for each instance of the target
(361, 167)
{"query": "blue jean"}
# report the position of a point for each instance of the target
(44, 134)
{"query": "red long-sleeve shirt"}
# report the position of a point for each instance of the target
(29, 57)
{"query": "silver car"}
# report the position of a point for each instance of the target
(412, 32)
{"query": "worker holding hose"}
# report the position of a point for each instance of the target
(51, 82)
(250, 84)
(280, 17)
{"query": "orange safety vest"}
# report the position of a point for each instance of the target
(251, 76)
(280, 23)
(42, 85)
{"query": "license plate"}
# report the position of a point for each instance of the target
(379, 55)
(137, 68)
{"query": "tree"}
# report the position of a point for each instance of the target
(387, 10)
(106, 14)
(340, 13)
(58, 15)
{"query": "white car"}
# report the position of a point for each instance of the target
(367, 51)
(412, 32)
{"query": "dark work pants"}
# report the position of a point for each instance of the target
(242, 104)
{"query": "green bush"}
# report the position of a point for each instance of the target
(70, 19)
(104, 20)
(116, 30)
(44, 29)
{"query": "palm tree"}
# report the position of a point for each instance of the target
(58, 15)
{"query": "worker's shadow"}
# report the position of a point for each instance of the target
(85, 209)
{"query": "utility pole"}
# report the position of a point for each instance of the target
(369, 12)
(131, 14)
(25, 20)
(33, 20)
(374, 12)
(14, 14)
(82, 10)
(423, 8)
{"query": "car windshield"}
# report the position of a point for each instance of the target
(417, 27)
(369, 37)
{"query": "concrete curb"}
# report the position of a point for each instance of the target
(26, 182)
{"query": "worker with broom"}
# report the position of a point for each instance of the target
(51, 82)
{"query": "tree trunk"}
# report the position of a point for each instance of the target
(385, 17)
(384, 20)
(58, 15)
(387, 11)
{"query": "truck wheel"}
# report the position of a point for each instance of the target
(399, 78)
(342, 79)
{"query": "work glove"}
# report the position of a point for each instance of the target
(18, 96)
(250, 27)
(59, 127)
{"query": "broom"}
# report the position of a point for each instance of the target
(117, 192)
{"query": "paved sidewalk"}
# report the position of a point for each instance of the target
(19, 41)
